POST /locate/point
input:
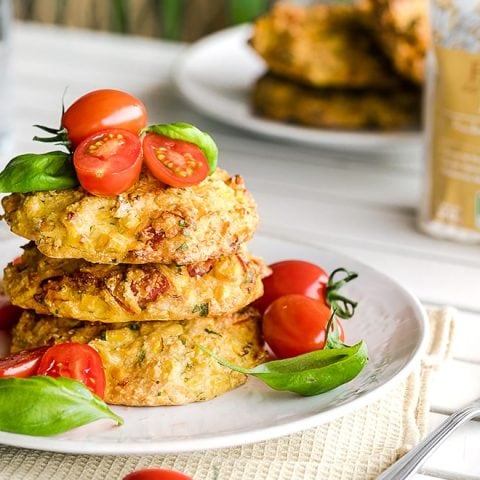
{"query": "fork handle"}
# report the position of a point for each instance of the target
(409, 463)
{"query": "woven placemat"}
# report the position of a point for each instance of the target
(357, 446)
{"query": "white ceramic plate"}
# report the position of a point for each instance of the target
(388, 318)
(215, 75)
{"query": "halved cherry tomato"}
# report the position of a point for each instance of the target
(108, 162)
(296, 324)
(9, 314)
(77, 361)
(174, 162)
(21, 364)
(103, 109)
(293, 276)
(156, 474)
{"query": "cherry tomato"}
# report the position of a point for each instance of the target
(174, 162)
(295, 324)
(108, 162)
(103, 109)
(21, 364)
(293, 276)
(77, 361)
(156, 474)
(9, 314)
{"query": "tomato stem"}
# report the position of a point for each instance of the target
(343, 306)
(59, 136)
(332, 333)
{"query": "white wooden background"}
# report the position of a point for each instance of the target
(364, 206)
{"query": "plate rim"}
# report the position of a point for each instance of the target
(333, 138)
(59, 444)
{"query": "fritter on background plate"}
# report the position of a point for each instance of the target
(403, 33)
(283, 100)
(148, 223)
(157, 363)
(118, 293)
(321, 45)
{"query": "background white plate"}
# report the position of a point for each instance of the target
(216, 74)
(388, 318)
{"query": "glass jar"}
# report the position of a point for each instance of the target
(451, 203)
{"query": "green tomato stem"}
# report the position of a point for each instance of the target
(344, 306)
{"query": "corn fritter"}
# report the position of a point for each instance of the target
(280, 99)
(150, 223)
(321, 45)
(120, 293)
(157, 363)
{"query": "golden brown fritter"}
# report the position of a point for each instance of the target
(78, 289)
(157, 363)
(286, 101)
(321, 45)
(148, 223)
(402, 30)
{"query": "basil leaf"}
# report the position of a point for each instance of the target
(189, 133)
(46, 406)
(308, 374)
(34, 172)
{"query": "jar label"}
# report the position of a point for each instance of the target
(455, 195)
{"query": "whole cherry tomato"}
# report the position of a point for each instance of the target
(77, 361)
(9, 314)
(21, 364)
(176, 163)
(293, 276)
(101, 109)
(305, 278)
(156, 474)
(295, 324)
(108, 162)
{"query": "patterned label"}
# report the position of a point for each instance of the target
(456, 114)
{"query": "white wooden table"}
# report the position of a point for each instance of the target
(363, 206)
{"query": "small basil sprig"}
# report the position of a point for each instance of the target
(308, 374)
(33, 172)
(189, 133)
(47, 406)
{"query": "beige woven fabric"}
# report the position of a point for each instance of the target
(357, 446)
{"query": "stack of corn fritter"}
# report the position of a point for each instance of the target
(347, 66)
(143, 277)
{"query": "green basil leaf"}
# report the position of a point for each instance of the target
(47, 406)
(308, 374)
(189, 133)
(33, 172)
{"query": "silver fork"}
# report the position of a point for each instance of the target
(409, 463)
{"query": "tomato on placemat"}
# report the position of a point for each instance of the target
(109, 162)
(77, 361)
(103, 109)
(156, 474)
(176, 163)
(296, 324)
(21, 364)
